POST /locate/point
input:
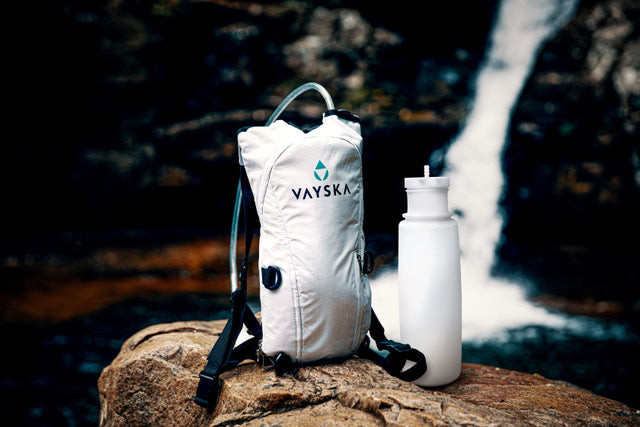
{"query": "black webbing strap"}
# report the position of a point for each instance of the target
(223, 355)
(399, 354)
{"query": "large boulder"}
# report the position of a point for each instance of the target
(153, 379)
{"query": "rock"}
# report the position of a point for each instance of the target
(146, 99)
(153, 379)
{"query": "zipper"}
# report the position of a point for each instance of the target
(266, 174)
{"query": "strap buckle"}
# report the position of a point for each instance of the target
(399, 355)
(207, 387)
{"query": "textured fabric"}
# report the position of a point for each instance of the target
(309, 197)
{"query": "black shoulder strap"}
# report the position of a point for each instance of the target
(399, 354)
(223, 356)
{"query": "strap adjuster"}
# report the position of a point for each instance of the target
(399, 355)
(393, 346)
(207, 387)
(242, 277)
(236, 298)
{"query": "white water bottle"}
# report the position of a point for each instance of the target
(429, 283)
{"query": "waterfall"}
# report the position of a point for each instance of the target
(473, 163)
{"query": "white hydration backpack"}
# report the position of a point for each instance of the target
(306, 188)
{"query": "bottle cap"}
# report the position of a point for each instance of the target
(427, 181)
(427, 197)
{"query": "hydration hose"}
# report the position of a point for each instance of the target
(236, 210)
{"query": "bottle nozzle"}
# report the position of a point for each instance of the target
(427, 181)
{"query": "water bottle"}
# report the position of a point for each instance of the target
(429, 283)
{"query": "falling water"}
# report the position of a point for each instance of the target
(474, 164)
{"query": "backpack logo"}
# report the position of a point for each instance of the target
(321, 172)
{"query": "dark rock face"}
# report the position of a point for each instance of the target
(573, 196)
(124, 113)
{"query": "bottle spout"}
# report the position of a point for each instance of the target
(427, 181)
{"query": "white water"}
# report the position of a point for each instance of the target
(474, 166)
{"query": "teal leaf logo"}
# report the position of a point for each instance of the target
(321, 172)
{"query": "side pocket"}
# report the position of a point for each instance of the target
(363, 297)
(366, 307)
(279, 305)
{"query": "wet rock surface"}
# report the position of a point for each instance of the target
(154, 377)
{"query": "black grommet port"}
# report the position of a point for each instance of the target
(271, 277)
